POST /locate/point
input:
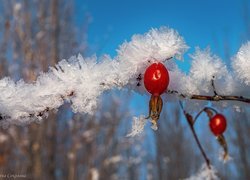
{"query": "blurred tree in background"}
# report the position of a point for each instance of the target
(35, 35)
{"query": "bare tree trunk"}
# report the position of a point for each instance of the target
(35, 166)
(54, 57)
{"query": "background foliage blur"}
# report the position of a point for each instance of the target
(37, 34)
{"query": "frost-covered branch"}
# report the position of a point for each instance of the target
(215, 97)
(80, 81)
(210, 98)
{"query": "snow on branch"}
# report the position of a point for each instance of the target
(241, 64)
(81, 81)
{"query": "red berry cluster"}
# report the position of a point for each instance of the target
(156, 81)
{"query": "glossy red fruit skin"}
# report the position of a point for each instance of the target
(218, 124)
(156, 78)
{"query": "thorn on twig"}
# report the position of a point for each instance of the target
(71, 93)
(167, 59)
(215, 93)
(190, 119)
(139, 78)
(61, 68)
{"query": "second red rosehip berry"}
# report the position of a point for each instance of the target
(218, 124)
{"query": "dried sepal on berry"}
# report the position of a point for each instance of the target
(222, 141)
(155, 107)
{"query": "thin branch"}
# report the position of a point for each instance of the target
(211, 98)
(216, 97)
(190, 121)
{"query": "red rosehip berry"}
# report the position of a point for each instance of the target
(218, 124)
(156, 78)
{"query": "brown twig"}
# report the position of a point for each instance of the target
(190, 121)
(211, 98)
(215, 97)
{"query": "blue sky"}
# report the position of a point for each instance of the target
(201, 23)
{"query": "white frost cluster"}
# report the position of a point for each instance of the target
(205, 174)
(204, 67)
(137, 126)
(76, 80)
(241, 64)
(81, 81)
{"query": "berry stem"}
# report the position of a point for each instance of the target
(204, 110)
(190, 121)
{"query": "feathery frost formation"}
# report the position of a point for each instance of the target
(241, 64)
(81, 81)
(205, 174)
(137, 126)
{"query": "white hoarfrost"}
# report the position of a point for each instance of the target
(81, 81)
(241, 63)
(204, 174)
(137, 126)
(204, 67)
